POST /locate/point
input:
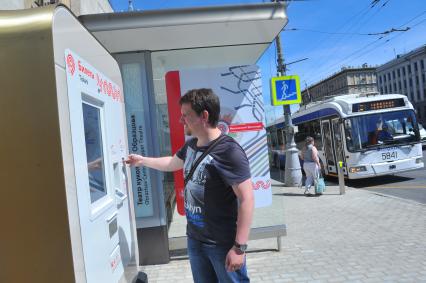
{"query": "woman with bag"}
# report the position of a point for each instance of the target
(311, 164)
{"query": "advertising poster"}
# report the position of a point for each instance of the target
(136, 119)
(242, 117)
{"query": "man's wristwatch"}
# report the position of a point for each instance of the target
(240, 248)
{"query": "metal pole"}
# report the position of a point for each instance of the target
(293, 173)
(341, 178)
(282, 179)
(340, 155)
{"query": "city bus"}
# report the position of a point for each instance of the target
(371, 134)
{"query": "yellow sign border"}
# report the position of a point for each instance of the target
(275, 101)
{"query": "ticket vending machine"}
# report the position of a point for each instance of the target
(67, 206)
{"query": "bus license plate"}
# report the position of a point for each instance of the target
(389, 155)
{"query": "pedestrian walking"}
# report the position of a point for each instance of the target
(311, 164)
(218, 194)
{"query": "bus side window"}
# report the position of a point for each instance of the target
(300, 136)
(316, 134)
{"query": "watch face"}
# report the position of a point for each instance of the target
(243, 248)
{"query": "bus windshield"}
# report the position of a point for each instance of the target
(381, 129)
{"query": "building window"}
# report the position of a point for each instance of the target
(403, 71)
(409, 69)
(412, 96)
(386, 89)
(380, 80)
(423, 78)
(399, 86)
(381, 90)
(384, 78)
(399, 73)
(393, 74)
(417, 80)
(411, 82)
(405, 84)
(415, 66)
(422, 64)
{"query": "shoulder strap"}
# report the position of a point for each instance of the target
(194, 166)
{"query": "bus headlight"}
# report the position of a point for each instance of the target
(419, 160)
(357, 169)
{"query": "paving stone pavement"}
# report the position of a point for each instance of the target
(357, 237)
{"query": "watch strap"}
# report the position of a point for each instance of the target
(242, 248)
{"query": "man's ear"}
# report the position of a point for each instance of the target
(205, 116)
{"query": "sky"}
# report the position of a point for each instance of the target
(331, 33)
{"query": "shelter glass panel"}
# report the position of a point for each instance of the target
(163, 62)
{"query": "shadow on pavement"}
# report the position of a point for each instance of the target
(182, 254)
(290, 195)
(303, 195)
(261, 250)
(377, 181)
(359, 183)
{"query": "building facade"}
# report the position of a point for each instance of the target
(78, 7)
(406, 75)
(348, 80)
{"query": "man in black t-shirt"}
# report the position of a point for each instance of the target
(219, 195)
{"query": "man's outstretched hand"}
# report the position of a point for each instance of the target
(134, 160)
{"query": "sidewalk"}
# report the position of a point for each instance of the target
(356, 237)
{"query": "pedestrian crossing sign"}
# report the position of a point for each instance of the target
(285, 90)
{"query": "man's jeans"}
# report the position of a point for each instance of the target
(208, 264)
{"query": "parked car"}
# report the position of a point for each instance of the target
(422, 135)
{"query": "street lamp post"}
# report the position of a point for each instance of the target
(293, 172)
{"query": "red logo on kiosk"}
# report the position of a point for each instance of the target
(71, 64)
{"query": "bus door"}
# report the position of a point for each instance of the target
(328, 147)
(338, 143)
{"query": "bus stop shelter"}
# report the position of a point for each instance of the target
(148, 44)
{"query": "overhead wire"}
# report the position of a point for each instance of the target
(345, 33)
(374, 13)
(325, 32)
(320, 41)
(323, 40)
(374, 3)
(356, 24)
(388, 40)
(364, 49)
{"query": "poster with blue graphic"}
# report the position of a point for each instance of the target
(242, 117)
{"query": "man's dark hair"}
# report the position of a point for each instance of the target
(203, 99)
